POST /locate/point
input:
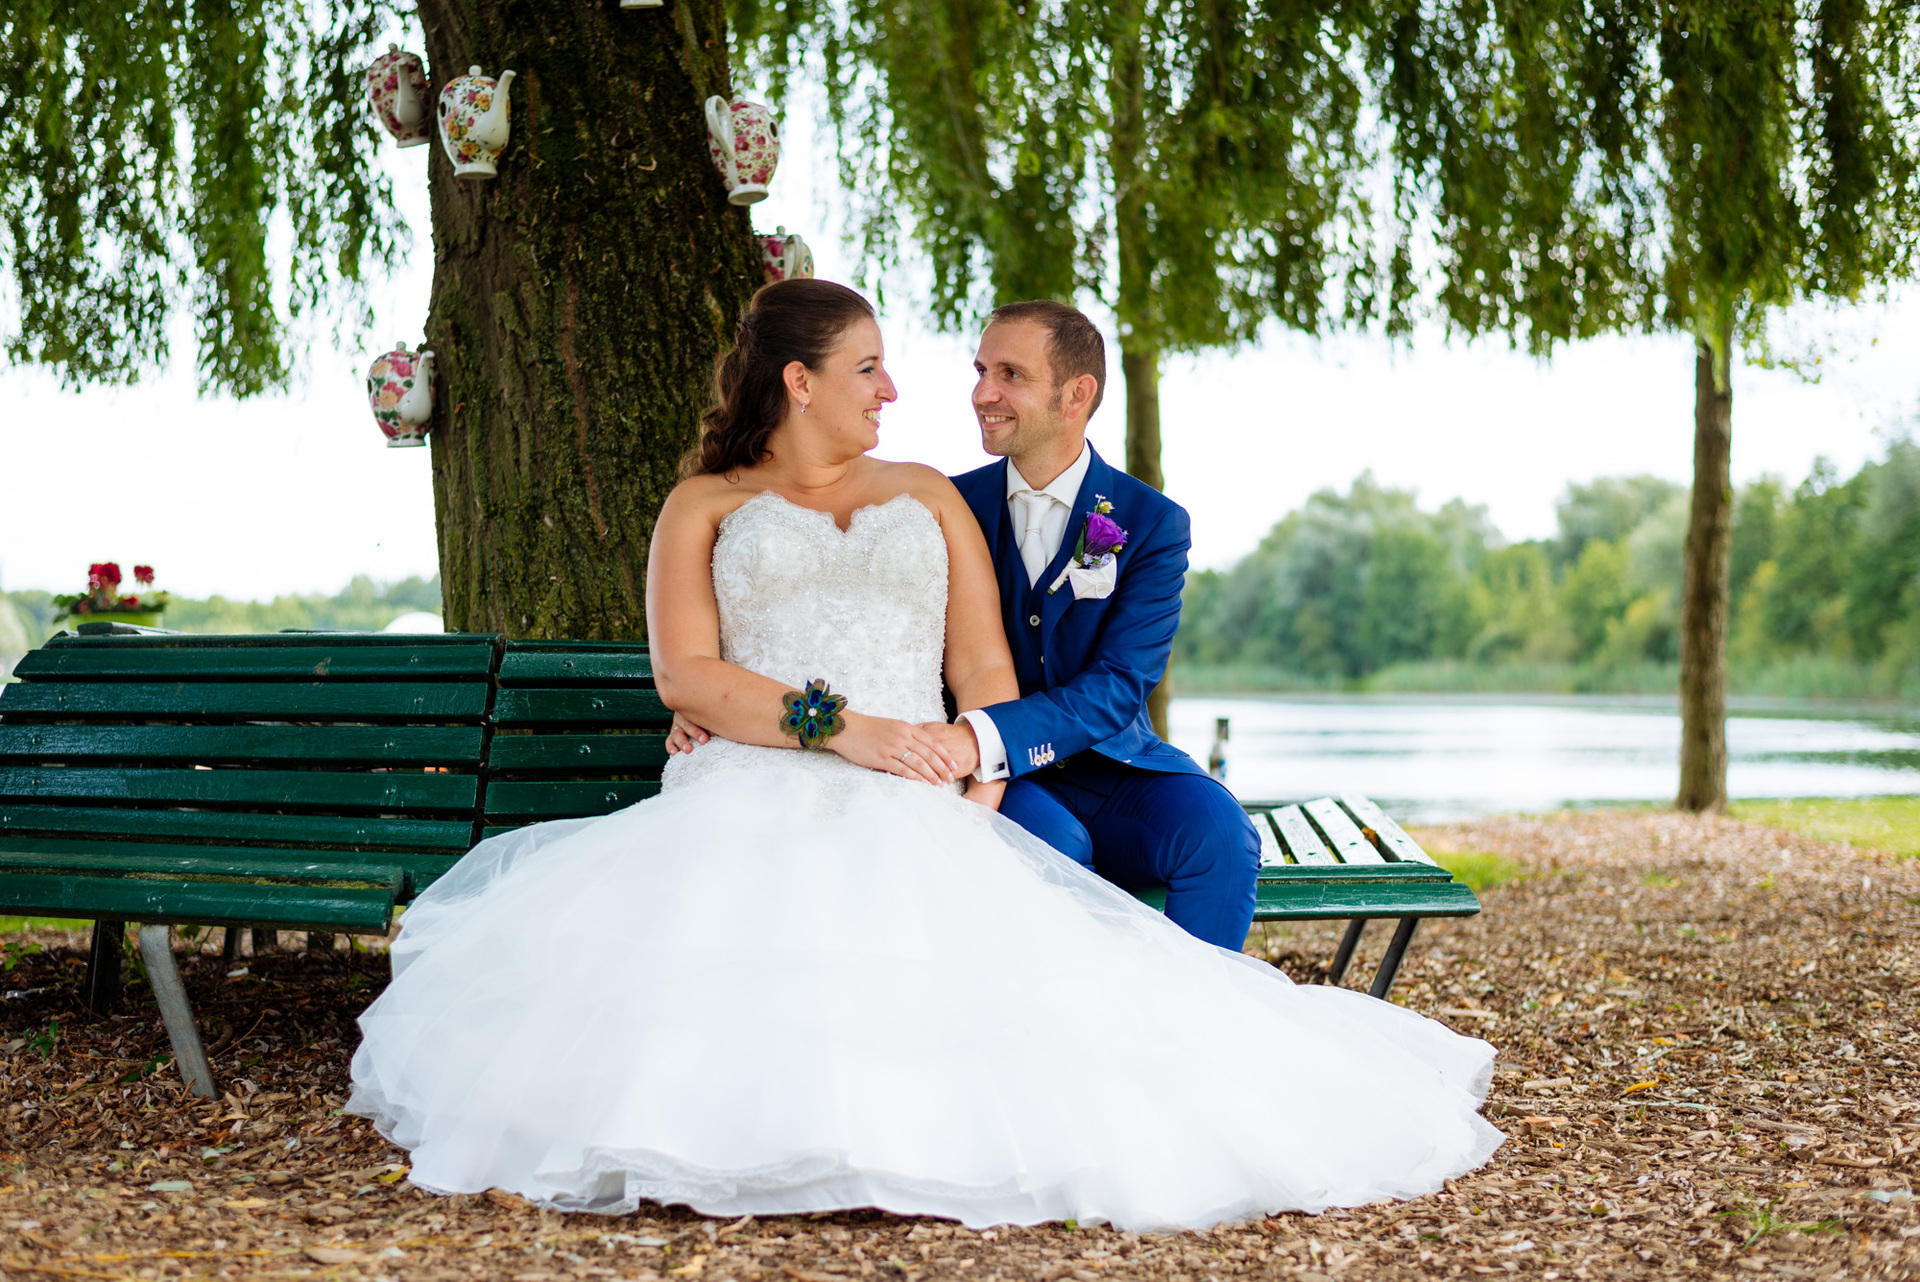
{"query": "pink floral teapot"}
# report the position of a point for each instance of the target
(397, 86)
(400, 393)
(786, 257)
(744, 140)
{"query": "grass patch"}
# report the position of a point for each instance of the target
(1660, 879)
(9, 925)
(1882, 823)
(1482, 870)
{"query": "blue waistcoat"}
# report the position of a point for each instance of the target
(1086, 666)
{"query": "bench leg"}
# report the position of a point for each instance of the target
(156, 946)
(1348, 942)
(100, 990)
(1390, 964)
(230, 946)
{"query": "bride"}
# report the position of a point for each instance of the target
(814, 973)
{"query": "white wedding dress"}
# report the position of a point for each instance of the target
(790, 984)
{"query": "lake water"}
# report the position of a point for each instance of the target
(1429, 759)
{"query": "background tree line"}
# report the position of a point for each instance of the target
(1365, 589)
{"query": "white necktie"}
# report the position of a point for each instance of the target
(1033, 538)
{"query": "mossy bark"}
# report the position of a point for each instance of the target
(579, 300)
(1707, 579)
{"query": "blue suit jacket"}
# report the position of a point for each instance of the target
(1086, 667)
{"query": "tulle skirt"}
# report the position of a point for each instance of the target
(800, 986)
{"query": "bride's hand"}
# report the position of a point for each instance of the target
(897, 747)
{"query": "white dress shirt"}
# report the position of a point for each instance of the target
(1040, 520)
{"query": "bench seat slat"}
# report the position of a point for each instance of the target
(280, 789)
(591, 705)
(1272, 853)
(565, 799)
(580, 753)
(1347, 841)
(1392, 836)
(1302, 842)
(208, 745)
(197, 902)
(348, 701)
(290, 831)
(304, 662)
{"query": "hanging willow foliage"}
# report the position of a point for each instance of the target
(1585, 166)
(1028, 146)
(211, 156)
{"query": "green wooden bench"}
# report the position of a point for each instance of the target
(302, 781)
(579, 730)
(319, 780)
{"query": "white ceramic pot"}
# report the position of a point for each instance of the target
(744, 140)
(397, 86)
(786, 257)
(400, 393)
(473, 122)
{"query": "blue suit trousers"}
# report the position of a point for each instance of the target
(1141, 828)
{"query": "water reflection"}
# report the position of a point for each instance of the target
(1436, 758)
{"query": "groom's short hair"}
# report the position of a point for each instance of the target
(1074, 345)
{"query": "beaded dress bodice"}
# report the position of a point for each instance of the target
(865, 608)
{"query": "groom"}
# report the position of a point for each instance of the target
(1088, 775)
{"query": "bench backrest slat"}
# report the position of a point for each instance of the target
(214, 745)
(453, 836)
(353, 702)
(578, 729)
(347, 750)
(108, 659)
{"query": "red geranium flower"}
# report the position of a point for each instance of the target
(143, 575)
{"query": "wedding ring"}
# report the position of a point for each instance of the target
(908, 753)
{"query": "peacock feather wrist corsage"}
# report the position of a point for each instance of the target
(813, 715)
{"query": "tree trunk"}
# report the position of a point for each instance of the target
(1136, 313)
(579, 300)
(1708, 579)
(1141, 370)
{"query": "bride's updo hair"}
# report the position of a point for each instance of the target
(789, 320)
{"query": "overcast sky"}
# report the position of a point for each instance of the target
(298, 492)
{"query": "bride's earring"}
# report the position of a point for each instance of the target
(803, 408)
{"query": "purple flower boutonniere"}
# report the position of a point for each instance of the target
(1093, 568)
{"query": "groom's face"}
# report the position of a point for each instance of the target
(1015, 396)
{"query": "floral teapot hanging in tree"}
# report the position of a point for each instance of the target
(397, 86)
(785, 257)
(473, 122)
(744, 140)
(400, 393)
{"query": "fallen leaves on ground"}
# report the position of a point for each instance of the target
(1708, 1069)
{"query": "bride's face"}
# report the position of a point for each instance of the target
(843, 397)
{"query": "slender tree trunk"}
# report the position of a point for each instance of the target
(579, 300)
(1137, 315)
(1708, 579)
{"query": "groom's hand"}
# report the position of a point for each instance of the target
(684, 735)
(958, 743)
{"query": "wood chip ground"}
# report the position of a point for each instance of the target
(1709, 1055)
